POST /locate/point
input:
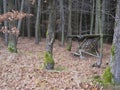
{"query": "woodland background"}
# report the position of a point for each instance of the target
(36, 32)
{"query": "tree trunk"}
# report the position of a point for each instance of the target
(69, 25)
(101, 23)
(37, 22)
(12, 44)
(28, 22)
(100, 29)
(62, 20)
(103, 15)
(115, 60)
(1, 2)
(50, 36)
(107, 16)
(81, 17)
(96, 17)
(5, 22)
(15, 2)
(92, 18)
(21, 9)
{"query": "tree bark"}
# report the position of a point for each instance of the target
(81, 17)
(5, 22)
(100, 29)
(115, 59)
(69, 25)
(37, 22)
(50, 36)
(28, 22)
(96, 17)
(21, 9)
(92, 17)
(62, 20)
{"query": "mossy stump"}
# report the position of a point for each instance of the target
(48, 61)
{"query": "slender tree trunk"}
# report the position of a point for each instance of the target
(69, 25)
(5, 22)
(96, 17)
(85, 19)
(21, 9)
(1, 2)
(15, 7)
(81, 18)
(92, 17)
(115, 51)
(62, 20)
(77, 18)
(28, 22)
(23, 28)
(15, 2)
(50, 36)
(107, 16)
(37, 23)
(103, 15)
(100, 29)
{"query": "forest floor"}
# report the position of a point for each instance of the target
(24, 70)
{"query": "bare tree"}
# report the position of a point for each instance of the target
(62, 20)
(28, 22)
(81, 17)
(97, 16)
(50, 36)
(21, 9)
(92, 17)
(115, 59)
(5, 22)
(69, 25)
(37, 22)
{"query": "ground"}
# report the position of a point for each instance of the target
(24, 70)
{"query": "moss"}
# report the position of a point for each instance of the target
(106, 79)
(60, 68)
(69, 47)
(107, 76)
(12, 48)
(46, 33)
(48, 59)
(97, 79)
(113, 50)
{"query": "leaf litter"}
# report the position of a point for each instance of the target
(24, 70)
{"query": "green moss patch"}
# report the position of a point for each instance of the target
(106, 79)
(48, 59)
(46, 33)
(107, 76)
(12, 48)
(69, 47)
(113, 50)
